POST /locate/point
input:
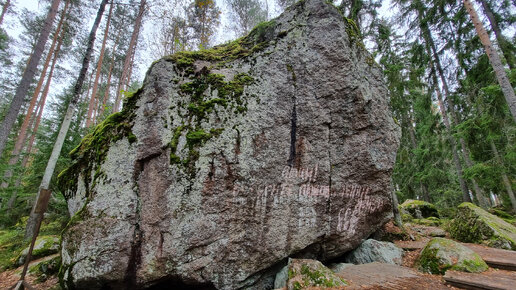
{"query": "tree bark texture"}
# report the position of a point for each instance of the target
(494, 58)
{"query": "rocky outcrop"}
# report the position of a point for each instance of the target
(228, 161)
(441, 255)
(475, 225)
(375, 251)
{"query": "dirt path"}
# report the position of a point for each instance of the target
(11, 277)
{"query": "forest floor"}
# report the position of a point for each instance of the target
(9, 278)
(368, 277)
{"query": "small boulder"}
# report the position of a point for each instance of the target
(44, 246)
(338, 267)
(304, 273)
(440, 255)
(475, 225)
(419, 209)
(375, 251)
(280, 281)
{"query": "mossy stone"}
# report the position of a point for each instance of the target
(475, 225)
(440, 255)
(304, 273)
(419, 209)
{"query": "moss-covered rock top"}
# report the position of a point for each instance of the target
(475, 225)
(44, 246)
(303, 273)
(440, 255)
(419, 209)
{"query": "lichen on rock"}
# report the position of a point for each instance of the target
(232, 159)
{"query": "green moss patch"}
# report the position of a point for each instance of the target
(204, 95)
(11, 244)
(440, 255)
(475, 225)
(92, 151)
(311, 273)
(256, 40)
(419, 208)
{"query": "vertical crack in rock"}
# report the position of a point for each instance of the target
(293, 120)
(136, 243)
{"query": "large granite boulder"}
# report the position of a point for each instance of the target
(472, 224)
(228, 161)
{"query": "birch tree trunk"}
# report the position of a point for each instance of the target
(58, 145)
(28, 75)
(494, 58)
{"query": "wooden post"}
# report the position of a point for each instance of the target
(40, 208)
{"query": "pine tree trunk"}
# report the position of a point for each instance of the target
(22, 135)
(28, 75)
(505, 178)
(4, 10)
(453, 116)
(89, 120)
(108, 83)
(38, 115)
(58, 145)
(122, 85)
(413, 142)
(502, 41)
(494, 58)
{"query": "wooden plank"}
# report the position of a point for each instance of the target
(492, 279)
(496, 258)
(388, 276)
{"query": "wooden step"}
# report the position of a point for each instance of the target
(496, 258)
(388, 276)
(491, 279)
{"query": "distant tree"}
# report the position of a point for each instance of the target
(30, 71)
(125, 78)
(245, 14)
(170, 33)
(203, 18)
(5, 7)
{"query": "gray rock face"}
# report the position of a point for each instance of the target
(229, 161)
(375, 251)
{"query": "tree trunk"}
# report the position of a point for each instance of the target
(505, 178)
(453, 116)
(58, 145)
(22, 135)
(494, 58)
(38, 113)
(89, 120)
(122, 85)
(4, 10)
(502, 41)
(108, 83)
(413, 142)
(28, 75)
